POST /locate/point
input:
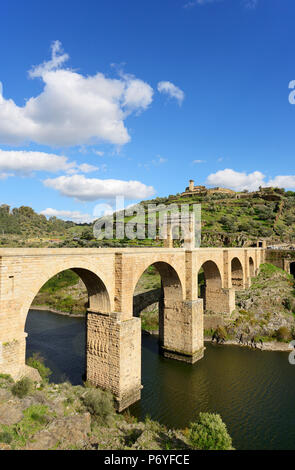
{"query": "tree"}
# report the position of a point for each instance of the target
(209, 433)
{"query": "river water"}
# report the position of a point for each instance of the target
(254, 391)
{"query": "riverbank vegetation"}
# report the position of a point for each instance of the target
(266, 310)
(43, 415)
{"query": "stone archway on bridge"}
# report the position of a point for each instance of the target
(237, 275)
(210, 284)
(98, 303)
(180, 321)
(166, 291)
(216, 298)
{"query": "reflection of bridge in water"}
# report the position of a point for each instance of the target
(113, 345)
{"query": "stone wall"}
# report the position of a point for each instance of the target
(280, 258)
(145, 299)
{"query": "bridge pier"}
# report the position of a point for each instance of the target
(113, 356)
(182, 335)
(218, 300)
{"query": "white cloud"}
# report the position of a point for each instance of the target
(99, 153)
(4, 176)
(91, 189)
(193, 3)
(199, 161)
(26, 162)
(240, 181)
(155, 162)
(58, 58)
(159, 160)
(171, 90)
(73, 109)
(74, 216)
(283, 181)
(251, 4)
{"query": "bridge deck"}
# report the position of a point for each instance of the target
(84, 251)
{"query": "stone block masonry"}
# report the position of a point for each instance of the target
(113, 346)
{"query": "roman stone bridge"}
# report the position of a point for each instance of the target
(113, 343)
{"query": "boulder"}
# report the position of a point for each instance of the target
(10, 413)
(64, 433)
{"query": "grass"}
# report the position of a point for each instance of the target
(150, 320)
(60, 281)
(37, 361)
(17, 435)
(22, 387)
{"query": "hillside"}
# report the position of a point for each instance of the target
(38, 415)
(239, 220)
(228, 219)
(267, 309)
(24, 227)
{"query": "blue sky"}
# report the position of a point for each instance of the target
(137, 97)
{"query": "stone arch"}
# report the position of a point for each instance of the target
(212, 274)
(237, 275)
(212, 285)
(98, 294)
(292, 269)
(171, 293)
(251, 267)
(171, 283)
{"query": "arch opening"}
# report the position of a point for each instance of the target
(61, 340)
(158, 284)
(237, 276)
(209, 284)
(292, 269)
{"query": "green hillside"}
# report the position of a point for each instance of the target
(227, 220)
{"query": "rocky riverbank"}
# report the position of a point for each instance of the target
(58, 312)
(42, 416)
(266, 346)
(265, 311)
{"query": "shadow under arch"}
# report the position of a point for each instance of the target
(210, 281)
(292, 269)
(251, 267)
(98, 294)
(237, 275)
(171, 283)
(52, 336)
(169, 290)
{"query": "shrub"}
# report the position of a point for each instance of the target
(221, 332)
(209, 433)
(100, 405)
(283, 334)
(22, 387)
(37, 361)
(287, 304)
(6, 377)
(6, 437)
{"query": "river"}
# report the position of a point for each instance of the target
(254, 391)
